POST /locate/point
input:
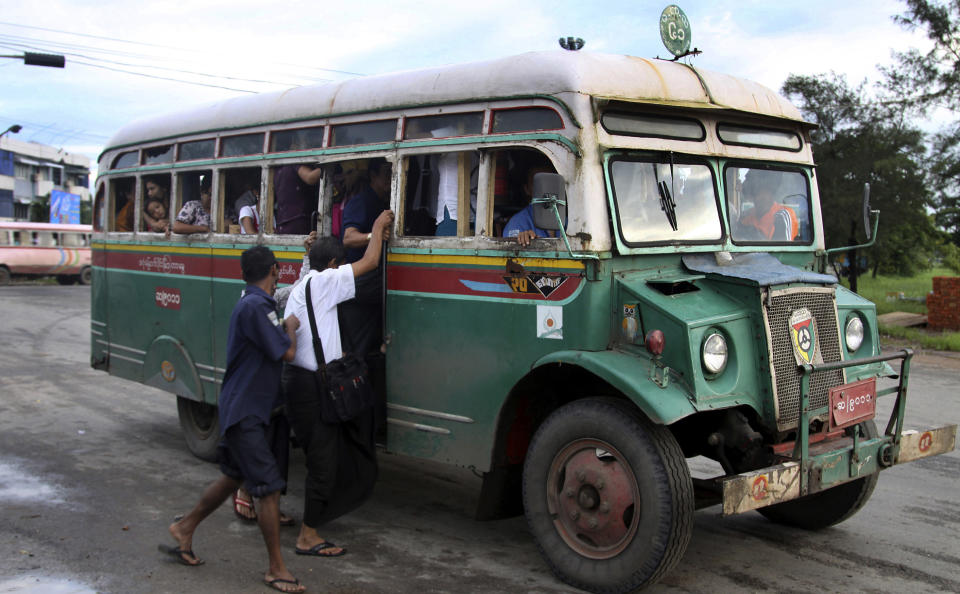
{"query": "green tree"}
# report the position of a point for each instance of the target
(40, 210)
(924, 82)
(864, 140)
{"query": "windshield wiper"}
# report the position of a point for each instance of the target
(667, 205)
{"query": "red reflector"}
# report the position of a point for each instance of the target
(654, 341)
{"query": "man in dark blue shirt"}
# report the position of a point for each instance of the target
(361, 315)
(257, 344)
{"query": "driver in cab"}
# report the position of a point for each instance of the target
(768, 219)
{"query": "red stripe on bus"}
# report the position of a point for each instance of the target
(483, 283)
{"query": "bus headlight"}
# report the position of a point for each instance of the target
(714, 353)
(853, 333)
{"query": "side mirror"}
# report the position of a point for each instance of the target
(866, 210)
(549, 190)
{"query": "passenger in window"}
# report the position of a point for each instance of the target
(768, 219)
(296, 197)
(194, 217)
(124, 217)
(521, 225)
(248, 215)
(156, 200)
(155, 216)
(362, 210)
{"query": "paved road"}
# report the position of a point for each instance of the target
(93, 468)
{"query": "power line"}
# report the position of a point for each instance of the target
(143, 43)
(192, 72)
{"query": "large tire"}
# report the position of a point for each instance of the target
(4, 275)
(608, 496)
(829, 507)
(201, 427)
(86, 275)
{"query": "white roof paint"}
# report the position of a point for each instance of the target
(535, 73)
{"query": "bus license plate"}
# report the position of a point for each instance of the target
(853, 403)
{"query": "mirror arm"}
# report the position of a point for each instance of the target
(553, 201)
(873, 239)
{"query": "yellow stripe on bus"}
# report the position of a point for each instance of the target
(483, 260)
(192, 251)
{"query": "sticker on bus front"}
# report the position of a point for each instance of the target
(549, 321)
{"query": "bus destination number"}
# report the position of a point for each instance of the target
(535, 284)
(853, 403)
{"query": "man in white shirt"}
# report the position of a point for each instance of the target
(341, 458)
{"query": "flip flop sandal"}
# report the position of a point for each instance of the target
(181, 555)
(239, 504)
(276, 584)
(316, 551)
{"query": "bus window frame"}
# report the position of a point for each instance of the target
(489, 131)
(327, 127)
(221, 142)
(562, 160)
(656, 158)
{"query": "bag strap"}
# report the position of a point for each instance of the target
(317, 345)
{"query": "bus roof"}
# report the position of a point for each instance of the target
(24, 226)
(607, 76)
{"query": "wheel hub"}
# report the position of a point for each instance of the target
(593, 498)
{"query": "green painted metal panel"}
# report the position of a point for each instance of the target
(630, 374)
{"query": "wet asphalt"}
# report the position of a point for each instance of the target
(93, 469)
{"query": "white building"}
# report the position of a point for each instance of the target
(30, 171)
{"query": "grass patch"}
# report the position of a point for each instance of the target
(897, 293)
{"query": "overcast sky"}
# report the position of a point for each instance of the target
(247, 45)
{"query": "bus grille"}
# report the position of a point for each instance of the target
(820, 303)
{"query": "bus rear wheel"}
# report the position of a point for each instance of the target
(829, 507)
(4, 275)
(608, 496)
(86, 276)
(200, 426)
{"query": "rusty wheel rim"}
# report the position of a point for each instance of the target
(593, 498)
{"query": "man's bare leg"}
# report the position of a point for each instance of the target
(212, 498)
(268, 517)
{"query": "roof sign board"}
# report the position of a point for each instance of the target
(675, 30)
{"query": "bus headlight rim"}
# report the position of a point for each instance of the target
(714, 353)
(853, 333)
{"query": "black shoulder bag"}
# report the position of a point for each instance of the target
(344, 389)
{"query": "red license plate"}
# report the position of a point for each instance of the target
(852, 403)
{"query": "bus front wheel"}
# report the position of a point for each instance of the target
(608, 496)
(86, 275)
(4, 275)
(200, 426)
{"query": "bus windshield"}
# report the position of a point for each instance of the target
(665, 202)
(768, 205)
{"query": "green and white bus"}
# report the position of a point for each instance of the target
(664, 316)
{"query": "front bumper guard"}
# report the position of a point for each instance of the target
(826, 465)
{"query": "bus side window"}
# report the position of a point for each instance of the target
(347, 179)
(513, 170)
(122, 202)
(294, 190)
(440, 194)
(189, 189)
(98, 210)
(240, 197)
(155, 215)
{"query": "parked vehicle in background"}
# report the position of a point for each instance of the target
(45, 249)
